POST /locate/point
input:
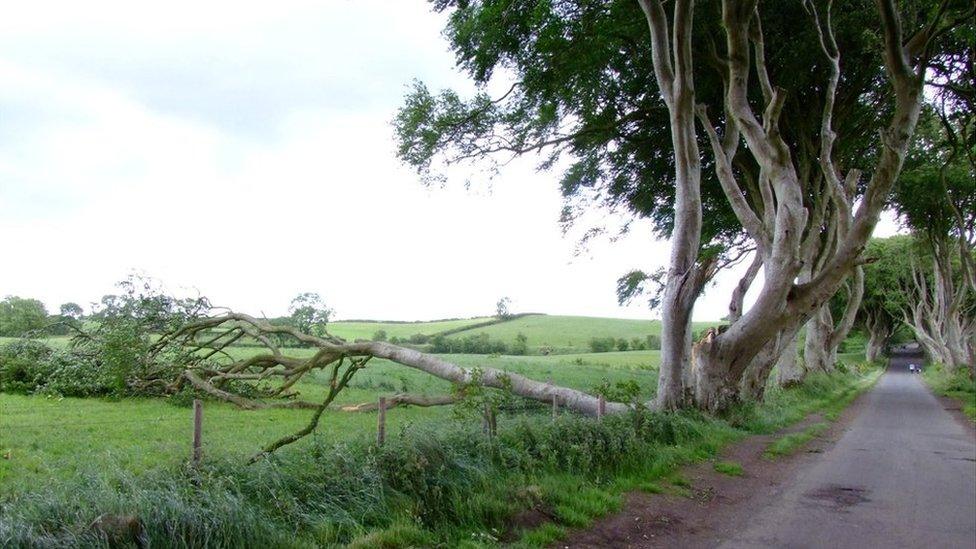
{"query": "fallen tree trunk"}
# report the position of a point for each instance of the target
(516, 384)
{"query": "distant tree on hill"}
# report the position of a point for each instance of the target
(502, 308)
(379, 335)
(18, 316)
(309, 313)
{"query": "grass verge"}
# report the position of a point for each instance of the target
(831, 410)
(729, 468)
(788, 444)
(957, 385)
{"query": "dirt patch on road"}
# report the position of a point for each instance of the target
(717, 504)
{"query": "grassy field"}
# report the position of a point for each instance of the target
(571, 334)
(365, 330)
(44, 435)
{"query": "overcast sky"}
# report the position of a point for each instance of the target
(245, 150)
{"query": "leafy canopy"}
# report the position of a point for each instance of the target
(19, 316)
(581, 95)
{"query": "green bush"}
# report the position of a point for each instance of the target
(607, 344)
(521, 345)
(954, 384)
(479, 344)
(24, 366)
(602, 344)
(28, 366)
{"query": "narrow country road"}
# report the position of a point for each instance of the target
(903, 475)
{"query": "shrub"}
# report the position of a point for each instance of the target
(23, 366)
(32, 367)
(479, 344)
(602, 344)
(521, 345)
(622, 344)
(653, 342)
(380, 335)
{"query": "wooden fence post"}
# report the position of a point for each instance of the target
(381, 422)
(197, 454)
(488, 422)
(601, 407)
(555, 407)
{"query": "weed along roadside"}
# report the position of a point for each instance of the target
(957, 386)
(528, 479)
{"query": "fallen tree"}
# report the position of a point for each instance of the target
(196, 353)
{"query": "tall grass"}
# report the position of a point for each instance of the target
(954, 384)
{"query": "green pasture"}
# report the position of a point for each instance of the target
(366, 330)
(571, 334)
(50, 438)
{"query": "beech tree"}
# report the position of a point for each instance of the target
(936, 199)
(902, 288)
(583, 88)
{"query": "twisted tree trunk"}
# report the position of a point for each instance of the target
(756, 377)
(789, 368)
(721, 359)
(880, 330)
(672, 61)
(824, 337)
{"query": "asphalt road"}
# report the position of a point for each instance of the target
(903, 475)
